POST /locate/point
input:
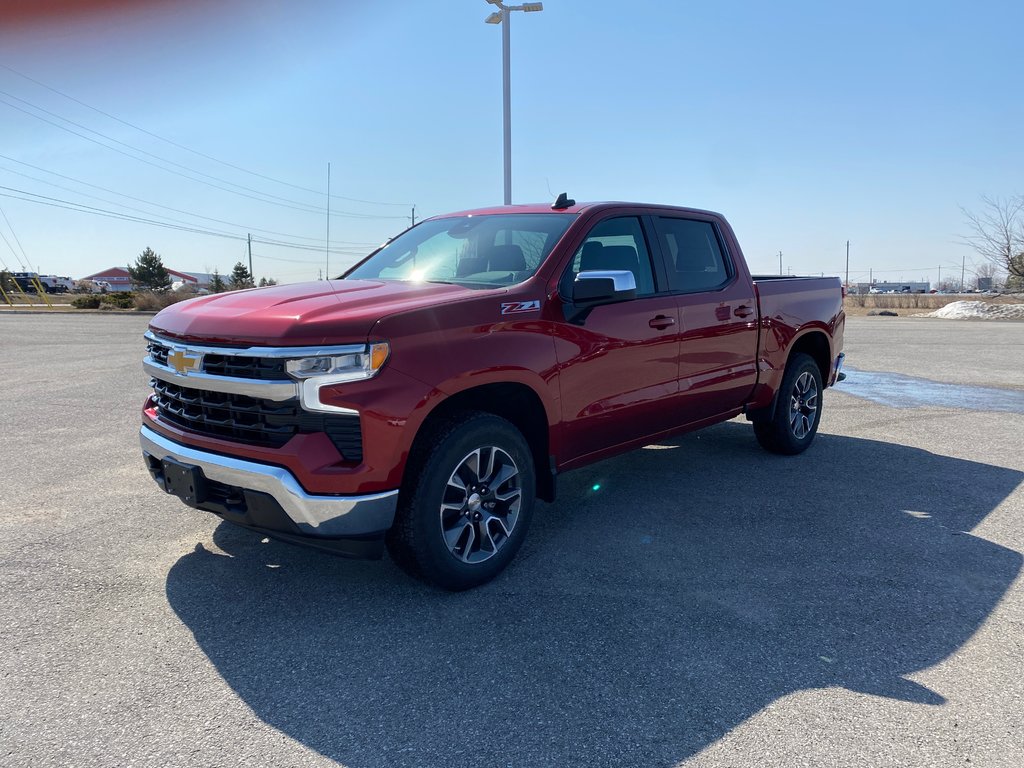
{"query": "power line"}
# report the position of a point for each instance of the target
(105, 200)
(889, 271)
(54, 202)
(257, 195)
(305, 209)
(290, 261)
(319, 249)
(15, 236)
(72, 206)
(12, 251)
(189, 149)
(140, 200)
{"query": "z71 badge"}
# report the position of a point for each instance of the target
(515, 307)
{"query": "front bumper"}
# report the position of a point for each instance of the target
(270, 499)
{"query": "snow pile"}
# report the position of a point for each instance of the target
(979, 310)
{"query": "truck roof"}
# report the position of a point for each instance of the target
(573, 209)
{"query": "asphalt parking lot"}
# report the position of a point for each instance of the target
(708, 605)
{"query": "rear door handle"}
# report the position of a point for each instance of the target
(743, 311)
(661, 322)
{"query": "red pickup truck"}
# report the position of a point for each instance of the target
(427, 397)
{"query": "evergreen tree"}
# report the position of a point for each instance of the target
(217, 282)
(149, 272)
(240, 278)
(265, 281)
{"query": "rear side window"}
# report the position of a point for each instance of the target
(693, 255)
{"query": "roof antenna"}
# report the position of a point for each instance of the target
(563, 202)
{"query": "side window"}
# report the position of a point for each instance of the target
(614, 244)
(693, 255)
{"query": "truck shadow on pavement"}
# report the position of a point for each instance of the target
(671, 594)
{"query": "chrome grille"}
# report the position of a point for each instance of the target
(235, 366)
(158, 352)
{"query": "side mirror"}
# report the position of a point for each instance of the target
(603, 286)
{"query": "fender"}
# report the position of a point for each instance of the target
(778, 342)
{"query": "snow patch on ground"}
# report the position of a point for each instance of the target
(978, 310)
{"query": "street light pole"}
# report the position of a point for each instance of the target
(503, 16)
(506, 85)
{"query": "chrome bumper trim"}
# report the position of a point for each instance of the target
(266, 390)
(314, 515)
(277, 352)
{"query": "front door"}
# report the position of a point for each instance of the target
(618, 369)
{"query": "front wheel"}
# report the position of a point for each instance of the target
(467, 504)
(797, 409)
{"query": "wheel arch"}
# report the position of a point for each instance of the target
(517, 403)
(814, 342)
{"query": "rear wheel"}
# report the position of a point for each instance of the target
(467, 504)
(797, 410)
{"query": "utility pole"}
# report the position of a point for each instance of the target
(870, 279)
(780, 263)
(252, 276)
(847, 263)
(413, 216)
(940, 276)
(327, 250)
(963, 266)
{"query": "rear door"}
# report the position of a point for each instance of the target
(717, 314)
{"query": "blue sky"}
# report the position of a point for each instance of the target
(806, 124)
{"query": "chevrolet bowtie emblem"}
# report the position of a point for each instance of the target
(182, 363)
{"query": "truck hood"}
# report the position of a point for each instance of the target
(302, 314)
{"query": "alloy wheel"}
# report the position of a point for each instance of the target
(481, 504)
(804, 405)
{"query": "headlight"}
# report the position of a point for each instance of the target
(353, 366)
(315, 373)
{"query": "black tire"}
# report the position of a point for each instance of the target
(792, 428)
(457, 537)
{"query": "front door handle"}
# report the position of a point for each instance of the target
(743, 311)
(661, 322)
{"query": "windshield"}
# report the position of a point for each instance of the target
(475, 251)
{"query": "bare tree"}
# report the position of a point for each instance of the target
(997, 232)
